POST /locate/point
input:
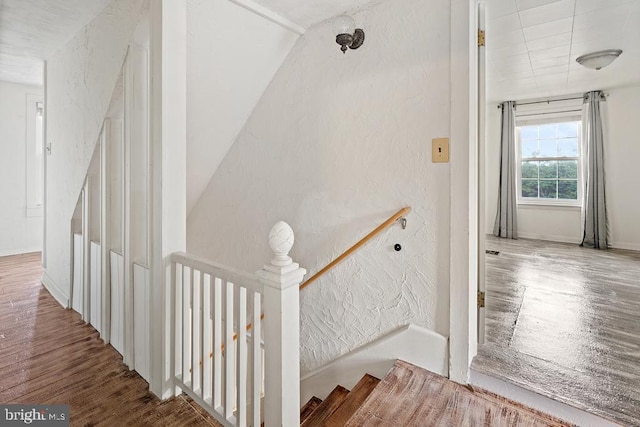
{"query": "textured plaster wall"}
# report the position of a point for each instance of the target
(18, 233)
(225, 80)
(80, 78)
(336, 145)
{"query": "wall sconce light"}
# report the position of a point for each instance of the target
(598, 60)
(347, 33)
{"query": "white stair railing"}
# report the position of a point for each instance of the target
(214, 305)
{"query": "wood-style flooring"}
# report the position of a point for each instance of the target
(48, 355)
(409, 396)
(564, 321)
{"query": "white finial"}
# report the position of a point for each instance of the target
(281, 241)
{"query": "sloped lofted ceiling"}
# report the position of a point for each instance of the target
(224, 84)
(532, 46)
(32, 30)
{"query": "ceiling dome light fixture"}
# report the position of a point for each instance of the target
(598, 60)
(347, 33)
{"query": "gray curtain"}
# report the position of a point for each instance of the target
(506, 224)
(594, 209)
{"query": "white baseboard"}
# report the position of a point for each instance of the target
(537, 401)
(55, 290)
(9, 252)
(414, 344)
(626, 246)
(573, 240)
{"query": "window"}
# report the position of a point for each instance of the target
(549, 163)
(35, 160)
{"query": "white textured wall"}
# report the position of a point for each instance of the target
(621, 162)
(18, 233)
(621, 154)
(80, 80)
(227, 72)
(336, 145)
(553, 223)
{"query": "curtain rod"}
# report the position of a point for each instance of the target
(548, 101)
(552, 112)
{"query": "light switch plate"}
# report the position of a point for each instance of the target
(440, 150)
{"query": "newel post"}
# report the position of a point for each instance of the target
(281, 279)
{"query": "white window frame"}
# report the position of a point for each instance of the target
(556, 118)
(34, 156)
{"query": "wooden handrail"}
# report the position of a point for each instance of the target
(393, 218)
(235, 336)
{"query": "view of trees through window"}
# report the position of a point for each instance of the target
(549, 157)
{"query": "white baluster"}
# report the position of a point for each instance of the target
(176, 343)
(203, 355)
(282, 278)
(256, 359)
(217, 345)
(207, 335)
(193, 355)
(229, 355)
(241, 368)
(186, 327)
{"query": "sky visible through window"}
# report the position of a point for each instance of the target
(549, 161)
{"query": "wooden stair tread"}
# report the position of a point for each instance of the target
(412, 396)
(308, 408)
(327, 407)
(352, 402)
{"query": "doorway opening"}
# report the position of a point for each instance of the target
(560, 317)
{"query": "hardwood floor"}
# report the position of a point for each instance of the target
(564, 321)
(561, 324)
(48, 355)
(412, 396)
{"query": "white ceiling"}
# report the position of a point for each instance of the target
(532, 45)
(32, 30)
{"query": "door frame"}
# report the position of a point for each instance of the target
(482, 213)
(463, 260)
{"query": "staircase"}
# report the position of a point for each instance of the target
(412, 396)
(339, 406)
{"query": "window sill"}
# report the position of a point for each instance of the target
(549, 204)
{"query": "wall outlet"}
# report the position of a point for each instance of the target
(440, 150)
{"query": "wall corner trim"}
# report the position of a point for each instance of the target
(270, 15)
(54, 290)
